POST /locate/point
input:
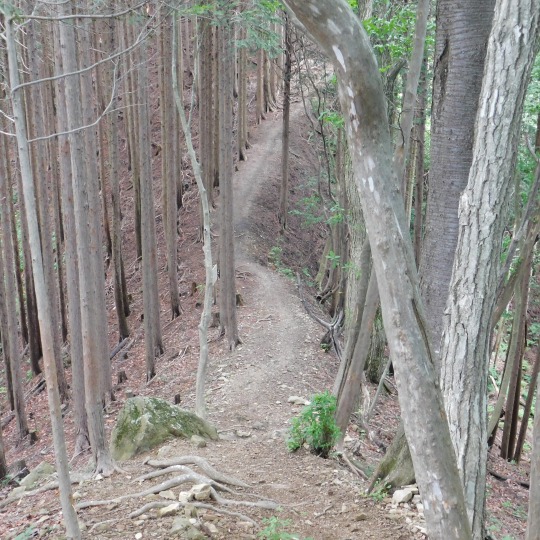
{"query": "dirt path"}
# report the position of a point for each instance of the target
(248, 393)
(280, 358)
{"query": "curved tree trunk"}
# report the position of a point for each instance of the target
(340, 34)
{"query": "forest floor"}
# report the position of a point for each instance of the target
(248, 389)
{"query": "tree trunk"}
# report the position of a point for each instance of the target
(10, 339)
(97, 311)
(519, 334)
(284, 187)
(533, 521)
(227, 304)
(88, 235)
(340, 34)
(462, 33)
(152, 326)
(466, 339)
(200, 403)
(66, 499)
(42, 188)
(528, 406)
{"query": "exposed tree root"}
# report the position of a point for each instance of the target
(163, 504)
(96, 525)
(74, 477)
(202, 464)
(214, 479)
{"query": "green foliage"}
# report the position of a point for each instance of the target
(275, 257)
(334, 259)
(315, 426)
(379, 492)
(392, 36)
(309, 209)
(26, 534)
(332, 117)
(337, 215)
(257, 20)
(276, 529)
(326, 347)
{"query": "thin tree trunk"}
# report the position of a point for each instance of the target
(533, 521)
(200, 403)
(169, 154)
(66, 499)
(152, 327)
(82, 441)
(528, 407)
(284, 187)
(39, 161)
(519, 332)
(10, 339)
(419, 136)
(228, 318)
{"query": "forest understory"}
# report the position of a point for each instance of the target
(248, 390)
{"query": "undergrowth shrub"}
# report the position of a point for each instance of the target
(316, 426)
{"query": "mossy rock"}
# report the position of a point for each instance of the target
(145, 422)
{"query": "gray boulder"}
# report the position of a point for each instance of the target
(43, 470)
(145, 422)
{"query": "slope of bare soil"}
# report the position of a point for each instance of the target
(248, 390)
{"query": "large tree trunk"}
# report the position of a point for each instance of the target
(72, 264)
(466, 338)
(340, 34)
(462, 33)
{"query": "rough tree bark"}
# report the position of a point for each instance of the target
(465, 350)
(342, 37)
(462, 33)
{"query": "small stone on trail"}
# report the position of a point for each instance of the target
(138, 536)
(198, 441)
(165, 451)
(402, 495)
(168, 494)
(190, 511)
(169, 510)
(297, 400)
(201, 492)
(360, 517)
(243, 434)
